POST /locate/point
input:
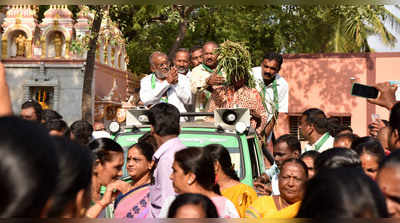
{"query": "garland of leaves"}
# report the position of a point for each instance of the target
(235, 60)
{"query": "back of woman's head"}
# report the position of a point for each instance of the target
(28, 168)
(48, 115)
(102, 148)
(221, 154)
(75, 164)
(337, 157)
(197, 161)
(204, 202)
(369, 145)
(148, 138)
(342, 193)
(81, 131)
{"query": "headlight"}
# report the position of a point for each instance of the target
(114, 127)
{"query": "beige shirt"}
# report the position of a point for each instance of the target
(198, 79)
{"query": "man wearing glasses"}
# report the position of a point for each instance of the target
(273, 88)
(164, 84)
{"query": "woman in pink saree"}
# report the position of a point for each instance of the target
(134, 202)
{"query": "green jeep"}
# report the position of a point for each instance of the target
(242, 143)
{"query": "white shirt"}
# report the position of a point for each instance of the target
(328, 144)
(178, 94)
(282, 87)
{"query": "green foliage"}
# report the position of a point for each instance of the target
(285, 28)
(235, 60)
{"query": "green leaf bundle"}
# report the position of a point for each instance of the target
(234, 59)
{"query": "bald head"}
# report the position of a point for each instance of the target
(210, 43)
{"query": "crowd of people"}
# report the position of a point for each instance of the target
(58, 170)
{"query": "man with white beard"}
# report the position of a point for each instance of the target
(165, 84)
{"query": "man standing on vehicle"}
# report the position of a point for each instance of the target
(164, 121)
(165, 84)
(273, 89)
(196, 56)
(205, 76)
(181, 62)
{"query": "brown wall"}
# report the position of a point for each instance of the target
(324, 81)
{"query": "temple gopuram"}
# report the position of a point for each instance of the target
(46, 61)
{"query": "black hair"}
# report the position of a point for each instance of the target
(102, 147)
(337, 157)
(146, 149)
(342, 193)
(193, 199)
(200, 163)
(28, 167)
(313, 154)
(342, 128)
(317, 118)
(335, 127)
(82, 131)
(58, 125)
(195, 48)
(394, 120)
(274, 56)
(164, 119)
(221, 154)
(370, 146)
(75, 164)
(48, 115)
(392, 160)
(351, 137)
(36, 106)
(292, 142)
(298, 162)
(148, 138)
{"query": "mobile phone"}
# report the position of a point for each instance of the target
(364, 91)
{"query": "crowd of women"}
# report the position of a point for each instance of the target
(53, 176)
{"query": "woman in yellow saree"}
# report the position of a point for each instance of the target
(292, 180)
(240, 194)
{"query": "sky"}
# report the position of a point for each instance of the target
(375, 42)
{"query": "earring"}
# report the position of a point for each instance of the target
(189, 182)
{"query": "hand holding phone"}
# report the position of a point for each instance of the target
(386, 96)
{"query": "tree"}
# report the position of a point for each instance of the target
(281, 28)
(87, 91)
